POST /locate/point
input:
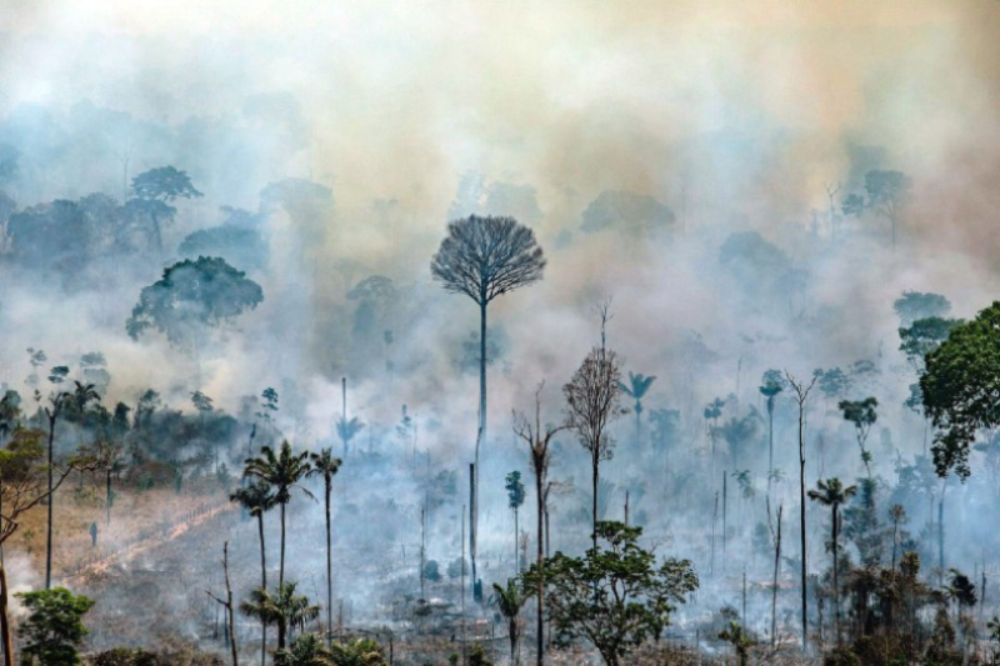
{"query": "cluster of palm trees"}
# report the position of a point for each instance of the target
(270, 478)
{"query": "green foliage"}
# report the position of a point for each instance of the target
(509, 598)
(281, 471)
(164, 184)
(617, 596)
(914, 305)
(638, 385)
(515, 489)
(863, 414)
(191, 296)
(255, 497)
(923, 336)
(54, 626)
(960, 385)
(740, 639)
(713, 410)
(833, 382)
(359, 652)
(961, 589)
(285, 608)
(126, 657)
(886, 189)
(478, 657)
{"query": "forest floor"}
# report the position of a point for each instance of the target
(160, 555)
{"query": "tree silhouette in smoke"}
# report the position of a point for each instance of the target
(483, 258)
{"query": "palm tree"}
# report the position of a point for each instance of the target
(281, 473)
(326, 464)
(286, 609)
(509, 601)
(832, 493)
(638, 385)
(257, 499)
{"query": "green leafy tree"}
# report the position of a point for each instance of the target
(484, 258)
(359, 652)
(285, 609)
(862, 414)
(325, 464)
(515, 498)
(25, 482)
(54, 627)
(740, 639)
(914, 305)
(959, 388)
(617, 596)
(508, 600)
(306, 650)
(833, 494)
(282, 472)
(191, 297)
(153, 191)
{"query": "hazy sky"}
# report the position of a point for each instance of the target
(398, 99)
(737, 115)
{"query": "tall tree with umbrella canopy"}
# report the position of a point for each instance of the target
(483, 258)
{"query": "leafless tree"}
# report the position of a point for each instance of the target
(227, 604)
(538, 438)
(483, 258)
(802, 390)
(594, 399)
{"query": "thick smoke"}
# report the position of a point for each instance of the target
(685, 163)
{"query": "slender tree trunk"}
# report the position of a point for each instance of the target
(5, 634)
(774, 585)
(895, 528)
(941, 534)
(480, 435)
(517, 559)
(472, 525)
(512, 631)
(802, 525)
(107, 502)
(263, 585)
(770, 443)
(548, 542)
(836, 581)
(281, 566)
(229, 606)
(282, 633)
(596, 471)
(638, 425)
(51, 504)
(329, 570)
(540, 563)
